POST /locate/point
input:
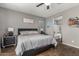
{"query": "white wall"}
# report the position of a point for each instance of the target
(69, 33)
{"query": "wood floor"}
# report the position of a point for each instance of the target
(60, 50)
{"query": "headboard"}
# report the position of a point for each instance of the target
(26, 29)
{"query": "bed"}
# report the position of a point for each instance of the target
(33, 43)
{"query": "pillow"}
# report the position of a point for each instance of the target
(28, 32)
(23, 32)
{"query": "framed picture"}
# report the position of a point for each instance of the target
(25, 20)
(73, 22)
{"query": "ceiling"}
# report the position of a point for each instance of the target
(41, 11)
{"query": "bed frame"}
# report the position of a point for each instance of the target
(26, 29)
(35, 51)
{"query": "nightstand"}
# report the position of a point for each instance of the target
(8, 41)
(43, 33)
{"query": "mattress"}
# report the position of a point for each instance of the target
(27, 42)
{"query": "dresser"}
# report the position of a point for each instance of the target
(8, 41)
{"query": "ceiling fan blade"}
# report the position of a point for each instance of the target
(48, 7)
(39, 4)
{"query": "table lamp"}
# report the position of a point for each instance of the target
(10, 31)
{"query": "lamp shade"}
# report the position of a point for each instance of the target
(41, 29)
(10, 29)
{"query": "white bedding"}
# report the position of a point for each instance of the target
(33, 41)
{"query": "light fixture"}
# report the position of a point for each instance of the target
(47, 4)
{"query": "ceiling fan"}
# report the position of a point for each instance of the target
(47, 5)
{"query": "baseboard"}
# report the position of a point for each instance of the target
(71, 45)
